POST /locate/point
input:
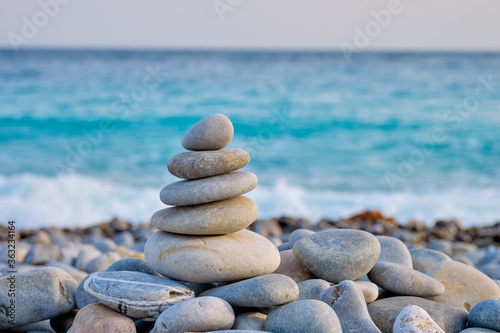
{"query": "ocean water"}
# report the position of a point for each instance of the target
(86, 135)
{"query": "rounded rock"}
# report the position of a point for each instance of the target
(369, 289)
(131, 265)
(424, 259)
(486, 314)
(298, 234)
(99, 318)
(394, 250)
(250, 321)
(415, 319)
(293, 268)
(311, 289)
(81, 297)
(211, 133)
(102, 262)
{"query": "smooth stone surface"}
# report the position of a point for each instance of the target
(424, 260)
(86, 255)
(293, 268)
(441, 245)
(478, 330)
(414, 319)
(338, 255)
(261, 291)
(451, 318)
(125, 238)
(298, 234)
(348, 302)
(211, 133)
(139, 295)
(105, 245)
(40, 254)
(215, 218)
(99, 318)
(394, 250)
(131, 265)
(464, 285)
(199, 314)
(486, 314)
(65, 267)
(250, 321)
(204, 190)
(284, 247)
(201, 164)
(102, 262)
(240, 255)
(369, 289)
(303, 316)
(81, 297)
(41, 326)
(405, 281)
(311, 289)
(41, 293)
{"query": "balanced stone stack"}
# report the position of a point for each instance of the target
(203, 238)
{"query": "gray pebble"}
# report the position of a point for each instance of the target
(81, 297)
(132, 265)
(211, 133)
(40, 254)
(424, 260)
(394, 250)
(441, 245)
(125, 238)
(102, 262)
(105, 245)
(311, 289)
(298, 234)
(86, 255)
(293, 268)
(486, 314)
(250, 321)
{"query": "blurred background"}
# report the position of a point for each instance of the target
(387, 105)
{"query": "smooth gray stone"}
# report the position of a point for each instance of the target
(369, 289)
(198, 314)
(441, 245)
(41, 326)
(261, 291)
(486, 314)
(463, 259)
(40, 254)
(405, 281)
(41, 237)
(215, 218)
(463, 248)
(451, 318)
(311, 289)
(492, 270)
(394, 250)
(86, 255)
(65, 267)
(132, 265)
(284, 247)
(81, 297)
(250, 321)
(125, 238)
(105, 245)
(338, 255)
(490, 257)
(198, 288)
(40, 294)
(102, 262)
(293, 268)
(211, 133)
(138, 295)
(210, 189)
(303, 316)
(298, 234)
(478, 330)
(348, 302)
(415, 319)
(424, 260)
(201, 164)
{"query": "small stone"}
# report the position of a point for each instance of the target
(298, 234)
(102, 262)
(311, 289)
(38, 327)
(486, 314)
(261, 291)
(99, 318)
(198, 314)
(394, 250)
(441, 245)
(86, 255)
(139, 295)
(131, 265)
(478, 330)
(40, 254)
(125, 238)
(348, 302)
(338, 255)
(105, 245)
(41, 237)
(215, 218)
(65, 267)
(463, 248)
(293, 268)
(201, 164)
(211, 133)
(81, 297)
(250, 321)
(284, 247)
(414, 319)
(424, 260)
(463, 259)
(303, 316)
(369, 289)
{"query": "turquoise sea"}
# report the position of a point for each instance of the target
(86, 135)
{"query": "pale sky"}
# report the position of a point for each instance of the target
(446, 25)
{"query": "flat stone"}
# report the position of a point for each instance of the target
(486, 314)
(198, 314)
(311, 289)
(40, 254)
(105, 245)
(86, 255)
(261, 291)
(102, 262)
(236, 256)
(303, 316)
(405, 281)
(338, 255)
(414, 319)
(394, 250)
(464, 285)
(298, 234)
(99, 318)
(451, 318)
(125, 238)
(293, 268)
(131, 265)
(369, 289)
(424, 259)
(215, 218)
(250, 321)
(348, 302)
(139, 295)
(201, 164)
(204, 190)
(41, 293)
(211, 133)
(81, 297)
(478, 330)
(441, 245)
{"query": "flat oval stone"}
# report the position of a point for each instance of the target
(200, 314)
(293, 268)
(198, 191)
(81, 297)
(303, 316)
(236, 256)
(131, 265)
(405, 281)
(311, 289)
(40, 254)
(338, 255)
(298, 234)
(261, 291)
(369, 289)
(139, 295)
(415, 319)
(201, 164)
(215, 218)
(394, 250)
(102, 262)
(486, 314)
(250, 321)
(99, 318)
(424, 259)
(211, 133)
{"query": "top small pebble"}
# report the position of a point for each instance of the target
(211, 133)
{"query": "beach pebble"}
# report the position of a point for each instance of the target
(405, 281)
(414, 319)
(124, 238)
(394, 250)
(215, 218)
(102, 262)
(464, 285)
(81, 297)
(441, 245)
(201, 164)
(311, 289)
(348, 302)
(261, 291)
(198, 314)
(293, 268)
(298, 234)
(65, 267)
(369, 289)
(99, 318)
(303, 316)
(40, 254)
(250, 321)
(283, 247)
(204, 190)
(478, 330)
(236, 256)
(41, 237)
(338, 255)
(463, 259)
(463, 248)
(424, 260)
(211, 133)
(105, 245)
(86, 255)
(451, 318)
(41, 293)
(139, 295)
(486, 314)
(131, 265)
